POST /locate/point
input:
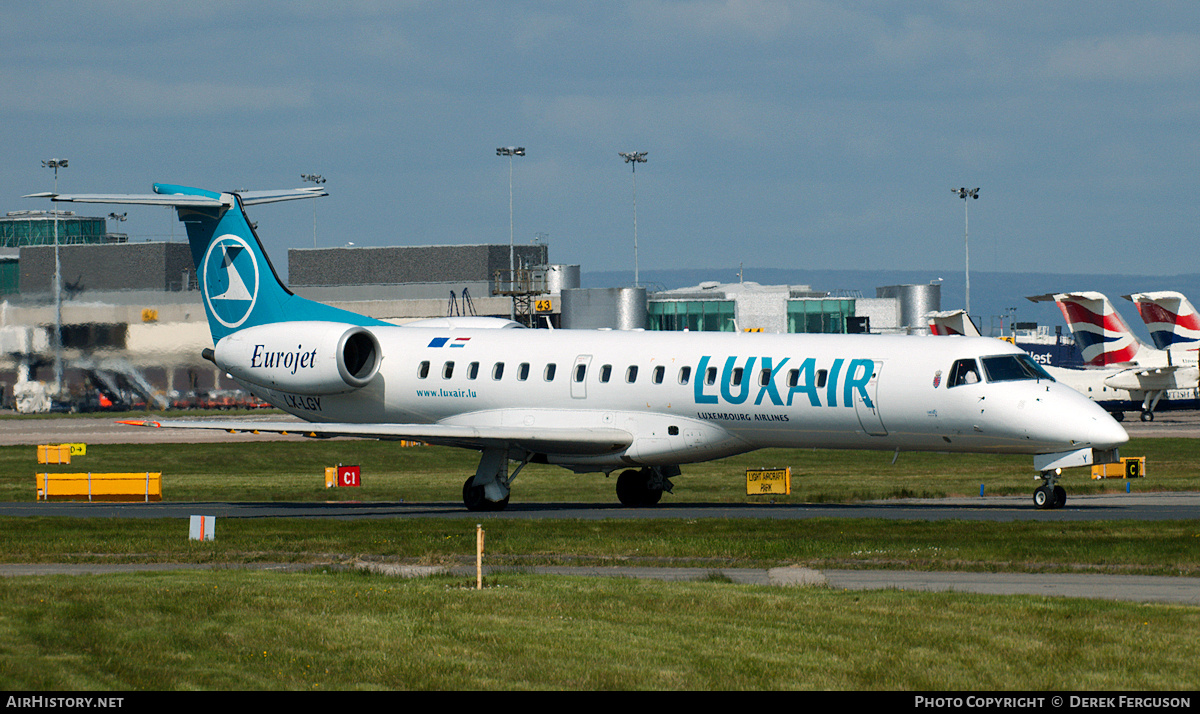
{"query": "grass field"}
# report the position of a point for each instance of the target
(1120, 547)
(332, 631)
(328, 629)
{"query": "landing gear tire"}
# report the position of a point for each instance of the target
(1049, 497)
(633, 489)
(1147, 416)
(475, 500)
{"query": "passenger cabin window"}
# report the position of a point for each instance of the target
(822, 375)
(737, 377)
(793, 377)
(580, 372)
(1008, 368)
(631, 374)
(423, 370)
(710, 376)
(548, 374)
(448, 370)
(497, 370)
(606, 373)
(523, 371)
(764, 377)
(473, 370)
(964, 371)
(659, 372)
(685, 375)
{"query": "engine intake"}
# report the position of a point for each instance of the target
(301, 357)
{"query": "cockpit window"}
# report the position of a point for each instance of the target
(964, 371)
(1008, 368)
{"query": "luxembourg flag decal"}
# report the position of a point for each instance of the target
(456, 342)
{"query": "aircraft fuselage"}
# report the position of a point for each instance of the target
(688, 397)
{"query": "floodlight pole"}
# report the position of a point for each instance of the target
(318, 180)
(633, 158)
(510, 152)
(964, 194)
(56, 164)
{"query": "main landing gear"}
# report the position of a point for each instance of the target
(475, 498)
(489, 488)
(1149, 403)
(1050, 495)
(644, 487)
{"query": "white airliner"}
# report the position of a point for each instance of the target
(641, 403)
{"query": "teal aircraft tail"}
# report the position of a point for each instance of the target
(239, 285)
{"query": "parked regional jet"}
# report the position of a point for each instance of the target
(1107, 343)
(641, 403)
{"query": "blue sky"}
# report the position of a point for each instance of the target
(779, 134)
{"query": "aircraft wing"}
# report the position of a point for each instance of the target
(1152, 378)
(575, 441)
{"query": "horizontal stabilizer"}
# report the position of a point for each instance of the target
(168, 195)
(142, 199)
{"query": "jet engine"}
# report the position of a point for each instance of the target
(301, 357)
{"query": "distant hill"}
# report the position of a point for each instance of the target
(991, 292)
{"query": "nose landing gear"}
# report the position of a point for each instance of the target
(1050, 495)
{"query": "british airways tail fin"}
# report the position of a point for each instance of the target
(1169, 316)
(1098, 329)
(239, 285)
(952, 322)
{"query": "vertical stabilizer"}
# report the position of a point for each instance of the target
(1098, 328)
(1169, 316)
(238, 284)
(953, 322)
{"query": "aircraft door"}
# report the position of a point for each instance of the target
(868, 414)
(579, 376)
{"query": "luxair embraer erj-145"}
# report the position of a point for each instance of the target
(639, 403)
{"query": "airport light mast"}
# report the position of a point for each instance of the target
(318, 180)
(633, 158)
(510, 152)
(964, 194)
(57, 164)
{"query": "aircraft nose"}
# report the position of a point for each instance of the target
(1106, 433)
(1094, 426)
(1072, 420)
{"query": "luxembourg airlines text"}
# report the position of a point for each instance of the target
(840, 380)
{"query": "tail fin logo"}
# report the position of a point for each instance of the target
(230, 276)
(1102, 336)
(1170, 318)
